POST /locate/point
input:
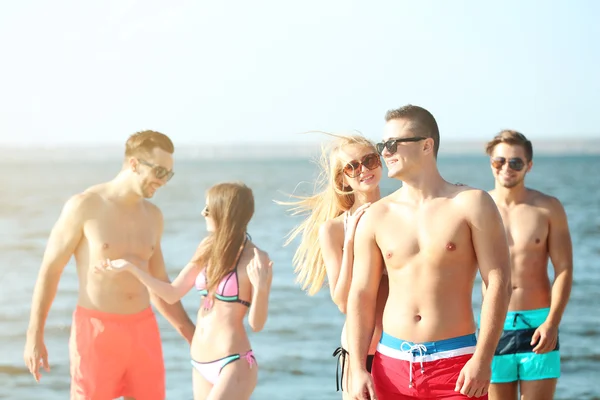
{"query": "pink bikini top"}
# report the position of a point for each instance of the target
(228, 289)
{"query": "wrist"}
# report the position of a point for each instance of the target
(552, 322)
(260, 290)
(35, 332)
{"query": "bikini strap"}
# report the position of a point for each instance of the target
(345, 220)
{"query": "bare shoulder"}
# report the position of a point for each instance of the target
(380, 207)
(475, 201)
(544, 201)
(332, 226)
(262, 254)
(82, 204)
(153, 209)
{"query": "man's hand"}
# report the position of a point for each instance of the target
(362, 386)
(36, 355)
(474, 378)
(546, 336)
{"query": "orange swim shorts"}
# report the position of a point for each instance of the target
(114, 355)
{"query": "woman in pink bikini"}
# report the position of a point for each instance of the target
(234, 278)
(350, 175)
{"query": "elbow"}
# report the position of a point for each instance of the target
(172, 300)
(341, 302)
(256, 326)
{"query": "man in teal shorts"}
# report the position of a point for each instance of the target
(527, 356)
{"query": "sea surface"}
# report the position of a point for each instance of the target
(294, 350)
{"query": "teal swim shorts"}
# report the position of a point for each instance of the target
(514, 359)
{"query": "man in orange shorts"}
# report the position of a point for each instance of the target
(115, 346)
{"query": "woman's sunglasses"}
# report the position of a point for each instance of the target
(353, 168)
(158, 171)
(392, 144)
(516, 164)
(205, 211)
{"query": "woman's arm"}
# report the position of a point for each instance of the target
(169, 292)
(338, 262)
(260, 274)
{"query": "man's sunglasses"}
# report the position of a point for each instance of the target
(158, 171)
(353, 168)
(516, 164)
(392, 144)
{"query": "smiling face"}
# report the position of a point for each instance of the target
(509, 165)
(360, 166)
(152, 171)
(402, 150)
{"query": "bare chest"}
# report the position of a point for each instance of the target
(526, 227)
(122, 235)
(436, 236)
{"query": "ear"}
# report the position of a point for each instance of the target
(428, 146)
(133, 163)
(529, 166)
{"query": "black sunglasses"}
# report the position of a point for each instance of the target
(205, 211)
(158, 171)
(516, 164)
(392, 144)
(353, 168)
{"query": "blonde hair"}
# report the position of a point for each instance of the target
(143, 142)
(331, 200)
(231, 206)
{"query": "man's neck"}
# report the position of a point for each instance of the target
(120, 189)
(426, 184)
(510, 196)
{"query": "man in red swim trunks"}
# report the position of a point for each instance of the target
(431, 237)
(115, 347)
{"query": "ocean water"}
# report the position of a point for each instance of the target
(294, 350)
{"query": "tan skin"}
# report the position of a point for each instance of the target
(337, 246)
(109, 220)
(537, 230)
(220, 331)
(431, 265)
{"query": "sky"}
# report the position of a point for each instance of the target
(259, 72)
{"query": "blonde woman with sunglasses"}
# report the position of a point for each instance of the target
(349, 182)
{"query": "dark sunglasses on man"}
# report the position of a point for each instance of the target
(392, 144)
(516, 164)
(370, 161)
(158, 171)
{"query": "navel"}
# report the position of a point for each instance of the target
(417, 318)
(537, 240)
(105, 246)
(450, 246)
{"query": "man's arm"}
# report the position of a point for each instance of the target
(491, 250)
(174, 313)
(561, 255)
(64, 238)
(362, 298)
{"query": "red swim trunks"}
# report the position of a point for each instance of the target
(114, 355)
(406, 370)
